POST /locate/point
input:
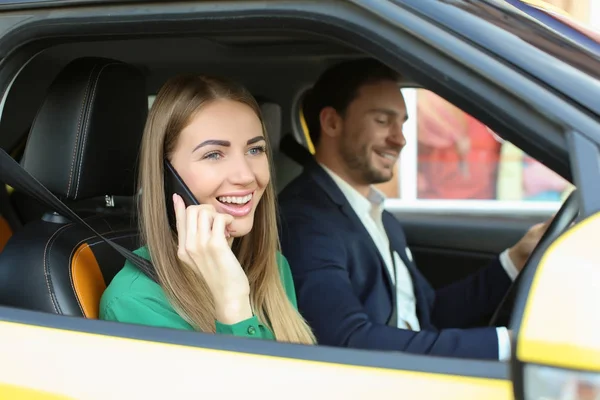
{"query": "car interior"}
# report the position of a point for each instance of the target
(74, 116)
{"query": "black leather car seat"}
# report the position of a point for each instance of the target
(83, 144)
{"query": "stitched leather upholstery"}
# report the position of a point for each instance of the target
(36, 270)
(84, 143)
(85, 138)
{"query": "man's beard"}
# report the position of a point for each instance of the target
(358, 161)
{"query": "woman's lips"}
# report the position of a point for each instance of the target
(235, 210)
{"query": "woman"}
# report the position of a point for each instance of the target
(220, 269)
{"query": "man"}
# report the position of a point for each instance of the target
(355, 279)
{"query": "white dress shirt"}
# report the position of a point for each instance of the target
(369, 210)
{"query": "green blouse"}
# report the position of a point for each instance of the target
(132, 297)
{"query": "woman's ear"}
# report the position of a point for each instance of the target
(331, 122)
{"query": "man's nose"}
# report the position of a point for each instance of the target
(396, 136)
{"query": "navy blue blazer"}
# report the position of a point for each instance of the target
(345, 292)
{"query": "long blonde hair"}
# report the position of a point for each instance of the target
(176, 104)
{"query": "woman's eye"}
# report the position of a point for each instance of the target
(212, 156)
(257, 150)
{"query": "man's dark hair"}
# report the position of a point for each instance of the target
(338, 86)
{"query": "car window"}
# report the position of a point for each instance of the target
(452, 156)
(454, 163)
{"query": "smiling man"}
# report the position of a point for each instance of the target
(356, 282)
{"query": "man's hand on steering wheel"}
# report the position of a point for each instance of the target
(521, 251)
(527, 250)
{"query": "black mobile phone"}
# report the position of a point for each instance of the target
(174, 184)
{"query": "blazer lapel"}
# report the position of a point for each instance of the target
(324, 181)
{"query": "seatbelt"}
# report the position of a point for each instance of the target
(13, 174)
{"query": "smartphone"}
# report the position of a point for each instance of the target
(174, 184)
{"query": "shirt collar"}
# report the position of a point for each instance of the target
(358, 202)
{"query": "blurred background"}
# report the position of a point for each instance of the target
(452, 156)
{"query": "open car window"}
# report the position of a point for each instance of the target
(454, 159)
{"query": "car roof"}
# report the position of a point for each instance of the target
(561, 22)
(561, 64)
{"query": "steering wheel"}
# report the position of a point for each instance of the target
(562, 220)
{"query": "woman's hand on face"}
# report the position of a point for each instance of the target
(203, 246)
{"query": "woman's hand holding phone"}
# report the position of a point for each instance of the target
(203, 246)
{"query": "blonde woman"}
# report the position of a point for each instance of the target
(219, 269)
